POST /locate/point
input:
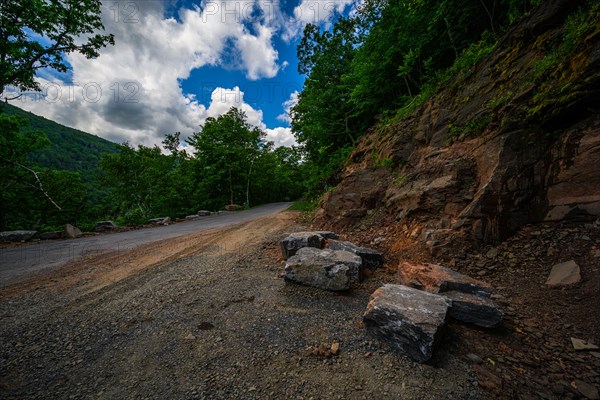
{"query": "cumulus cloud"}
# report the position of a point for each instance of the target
(317, 12)
(288, 105)
(281, 136)
(132, 92)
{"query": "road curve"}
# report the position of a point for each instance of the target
(21, 262)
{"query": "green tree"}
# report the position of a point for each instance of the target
(65, 26)
(142, 181)
(226, 149)
(32, 197)
(323, 119)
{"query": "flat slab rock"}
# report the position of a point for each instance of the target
(437, 279)
(323, 269)
(371, 259)
(566, 273)
(16, 236)
(411, 320)
(473, 309)
(298, 240)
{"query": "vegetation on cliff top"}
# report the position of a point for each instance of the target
(382, 63)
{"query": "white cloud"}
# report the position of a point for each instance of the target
(223, 99)
(258, 55)
(288, 105)
(132, 91)
(317, 12)
(281, 137)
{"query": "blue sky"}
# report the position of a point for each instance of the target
(176, 63)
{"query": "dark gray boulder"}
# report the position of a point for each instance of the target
(411, 320)
(203, 213)
(327, 234)
(473, 309)
(298, 240)
(51, 235)
(371, 259)
(323, 269)
(16, 236)
(105, 226)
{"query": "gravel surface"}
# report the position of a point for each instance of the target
(211, 325)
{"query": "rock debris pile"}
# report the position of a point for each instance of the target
(410, 316)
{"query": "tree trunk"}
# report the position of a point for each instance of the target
(230, 188)
(248, 185)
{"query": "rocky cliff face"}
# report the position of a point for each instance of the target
(515, 141)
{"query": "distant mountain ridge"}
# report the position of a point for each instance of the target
(70, 149)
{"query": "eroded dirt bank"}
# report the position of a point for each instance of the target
(204, 316)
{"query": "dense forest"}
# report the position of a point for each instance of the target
(51, 175)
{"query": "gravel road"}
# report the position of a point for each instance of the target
(21, 262)
(207, 324)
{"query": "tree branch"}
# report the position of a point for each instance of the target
(40, 187)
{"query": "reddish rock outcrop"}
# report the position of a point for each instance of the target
(498, 148)
(437, 279)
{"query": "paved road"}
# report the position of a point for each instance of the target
(20, 262)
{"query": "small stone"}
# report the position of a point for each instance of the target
(335, 348)
(588, 391)
(474, 358)
(580, 344)
(492, 253)
(189, 337)
(566, 273)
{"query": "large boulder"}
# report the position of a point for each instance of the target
(71, 232)
(473, 309)
(105, 226)
(203, 213)
(297, 240)
(371, 259)
(16, 236)
(233, 207)
(409, 319)
(323, 269)
(437, 279)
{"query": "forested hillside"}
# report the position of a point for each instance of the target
(51, 175)
(70, 149)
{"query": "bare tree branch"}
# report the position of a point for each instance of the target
(40, 186)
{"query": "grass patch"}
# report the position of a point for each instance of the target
(304, 205)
